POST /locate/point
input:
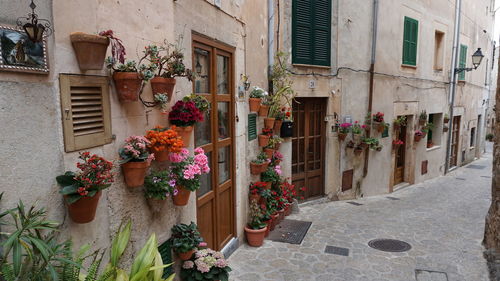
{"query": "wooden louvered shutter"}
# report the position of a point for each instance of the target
(86, 112)
(322, 28)
(410, 39)
(252, 126)
(166, 255)
(462, 63)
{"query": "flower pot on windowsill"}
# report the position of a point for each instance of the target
(263, 140)
(255, 237)
(254, 104)
(430, 145)
(90, 50)
(163, 85)
(182, 196)
(185, 256)
(277, 126)
(134, 173)
(269, 152)
(83, 210)
(256, 169)
(184, 133)
(268, 123)
(128, 85)
(263, 110)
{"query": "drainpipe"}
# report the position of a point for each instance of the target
(270, 41)
(372, 69)
(453, 82)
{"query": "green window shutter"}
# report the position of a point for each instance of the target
(410, 40)
(462, 62)
(311, 32)
(252, 126)
(166, 256)
(429, 134)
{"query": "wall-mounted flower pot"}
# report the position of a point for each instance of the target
(185, 133)
(421, 122)
(134, 173)
(358, 150)
(185, 256)
(256, 169)
(83, 210)
(263, 140)
(128, 85)
(342, 136)
(396, 126)
(182, 196)
(356, 138)
(263, 110)
(161, 156)
(254, 104)
(255, 237)
(268, 123)
(417, 138)
(277, 126)
(380, 126)
(163, 85)
(269, 152)
(286, 129)
(90, 50)
(446, 120)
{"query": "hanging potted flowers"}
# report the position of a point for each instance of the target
(399, 122)
(256, 96)
(277, 158)
(397, 143)
(157, 188)
(255, 230)
(259, 164)
(90, 49)
(378, 122)
(185, 172)
(205, 265)
(129, 77)
(135, 160)
(184, 115)
(163, 141)
(271, 176)
(83, 189)
(266, 102)
(357, 131)
(418, 135)
(185, 240)
(265, 137)
(344, 129)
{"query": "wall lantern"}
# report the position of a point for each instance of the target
(33, 26)
(198, 66)
(477, 57)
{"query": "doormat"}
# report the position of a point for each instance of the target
(290, 231)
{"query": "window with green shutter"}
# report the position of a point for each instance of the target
(311, 32)
(166, 256)
(462, 63)
(410, 39)
(252, 126)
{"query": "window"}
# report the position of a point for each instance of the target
(252, 126)
(462, 62)
(311, 32)
(410, 38)
(472, 137)
(86, 111)
(435, 121)
(438, 50)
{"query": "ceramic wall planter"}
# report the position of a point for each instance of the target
(128, 85)
(255, 237)
(134, 173)
(90, 50)
(185, 256)
(263, 140)
(182, 197)
(254, 104)
(161, 156)
(268, 123)
(256, 169)
(269, 152)
(342, 136)
(163, 85)
(83, 210)
(417, 138)
(185, 134)
(263, 110)
(277, 126)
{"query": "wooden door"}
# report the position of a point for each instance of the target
(308, 145)
(213, 64)
(399, 167)
(455, 134)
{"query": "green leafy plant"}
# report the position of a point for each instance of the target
(206, 265)
(200, 102)
(357, 129)
(274, 141)
(261, 159)
(283, 93)
(258, 93)
(185, 237)
(168, 60)
(400, 121)
(490, 137)
(373, 143)
(255, 216)
(270, 175)
(428, 127)
(158, 186)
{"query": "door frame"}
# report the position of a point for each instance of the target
(200, 40)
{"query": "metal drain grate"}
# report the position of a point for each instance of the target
(430, 275)
(337, 251)
(462, 179)
(355, 203)
(477, 167)
(389, 245)
(290, 231)
(392, 198)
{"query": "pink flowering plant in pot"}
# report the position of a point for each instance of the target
(135, 160)
(206, 265)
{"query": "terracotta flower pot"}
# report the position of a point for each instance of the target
(342, 136)
(277, 146)
(268, 123)
(269, 152)
(358, 151)
(274, 222)
(417, 138)
(266, 165)
(256, 169)
(363, 145)
(268, 228)
(185, 134)
(182, 197)
(277, 126)
(268, 185)
(254, 104)
(396, 126)
(128, 85)
(263, 110)
(163, 85)
(380, 127)
(263, 140)
(254, 197)
(255, 237)
(83, 210)
(134, 173)
(161, 156)
(446, 120)
(90, 50)
(156, 205)
(356, 138)
(421, 122)
(445, 129)
(185, 256)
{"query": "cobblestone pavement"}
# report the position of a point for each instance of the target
(442, 219)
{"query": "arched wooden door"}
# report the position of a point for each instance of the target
(213, 64)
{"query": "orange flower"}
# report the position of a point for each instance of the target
(164, 139)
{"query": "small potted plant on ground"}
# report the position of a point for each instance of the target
(206, 265)
(397, 143)
(163, 141)
(255, 189)
(90, 49)
(357, 131)
(82, 190)
(183, 116)
(399, 122)
(135, 160)
(418, 135)
(256, 96)
(157, 188)
(259, 164)
(185, 171)
(185, 239)
(265, 137)
(422, 119)
(255, 230)
(344, 129)
(378, 121)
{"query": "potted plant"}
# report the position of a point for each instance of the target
(185, 172)
(135, 160)
(344, 129)
(259, 164)
(372, 143)
(265, 137)
(90, 49)
(422, 119)
(83, 189)
(206, 265)
(427, 127)
(357, 131)
(397, 143)
(169, 62)
(128, 78)
(266, 218)
(157, 188)
(255, 189)
(279, 117)
(277, 158)
(255, 230)
(418, 135)
(378, 121)
(429, 144)
(446, 118)
(162, 141)
(271, 175)
(350, 144)
(184, 115)
(399, 122)
(256, 96)
(266, 102)
(185, 239)
(275, 142)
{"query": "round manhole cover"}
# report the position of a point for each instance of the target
(389, 245)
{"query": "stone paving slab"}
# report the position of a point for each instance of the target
(442, 219)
